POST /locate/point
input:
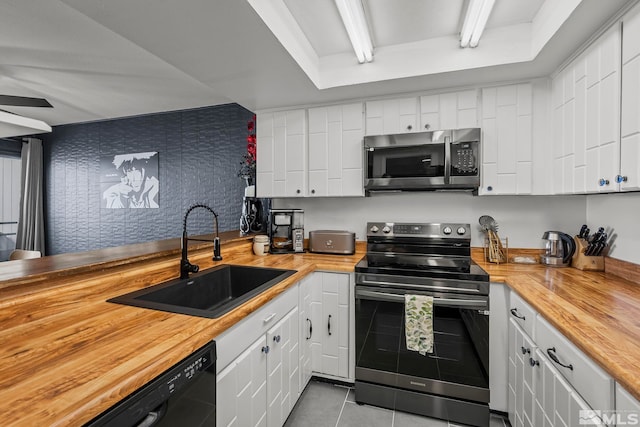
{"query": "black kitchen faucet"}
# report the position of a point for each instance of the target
(185, 266)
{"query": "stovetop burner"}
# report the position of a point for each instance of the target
(440, 250)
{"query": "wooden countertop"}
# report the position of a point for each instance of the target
(597, 311)
(67, 355)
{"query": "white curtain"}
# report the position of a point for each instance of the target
(30, 233)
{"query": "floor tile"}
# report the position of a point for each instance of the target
(403, 419)
(496, 421)
(351, 397)
(354, 415)
(319, 406)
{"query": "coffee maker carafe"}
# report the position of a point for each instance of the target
(286, 230)
(559, 248)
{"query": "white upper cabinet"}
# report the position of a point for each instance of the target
(335, 150)
(586, 114)
(311, 152)
(281, 154)
(507, 140)
(629, 177)
(454, 110)
(392, 116)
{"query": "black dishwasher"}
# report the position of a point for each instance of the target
(184, 395)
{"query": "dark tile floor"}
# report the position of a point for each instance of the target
(330, 405)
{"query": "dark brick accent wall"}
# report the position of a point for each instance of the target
(199, 150)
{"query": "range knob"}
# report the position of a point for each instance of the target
(461, 230)
(447, 230)
(374, 229)
(386, 229)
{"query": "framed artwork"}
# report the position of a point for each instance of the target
(129, 180)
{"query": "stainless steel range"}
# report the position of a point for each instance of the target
(452, 382)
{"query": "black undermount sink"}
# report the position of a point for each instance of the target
(210, 293)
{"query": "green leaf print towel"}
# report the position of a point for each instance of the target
(418, 310)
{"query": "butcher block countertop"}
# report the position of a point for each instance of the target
(67, 354)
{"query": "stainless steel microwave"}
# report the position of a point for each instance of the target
(422, 161)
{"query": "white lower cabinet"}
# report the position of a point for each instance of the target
(283, 375)
(258, 366)
(332, 321)
(266, 360)
(306, 330)
(551, 382)
(241, 389)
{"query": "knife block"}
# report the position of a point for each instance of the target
(584, 262)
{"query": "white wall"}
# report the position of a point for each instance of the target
(618, 214)
(522, 219)
(9, 203)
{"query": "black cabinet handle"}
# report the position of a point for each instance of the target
(552, 354)
(310, 328)
(329, 325)
(276, 338)
(265, 349)
(525, 350)
(533, 362)
(514, 311)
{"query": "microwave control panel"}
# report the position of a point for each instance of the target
(464, 158)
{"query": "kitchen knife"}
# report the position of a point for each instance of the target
(582, 231)
(602, 244)
(593, 243)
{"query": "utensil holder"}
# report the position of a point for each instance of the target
(496, 249)
(584, 262)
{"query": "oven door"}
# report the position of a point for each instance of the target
(458, 366)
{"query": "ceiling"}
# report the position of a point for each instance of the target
(102, 59)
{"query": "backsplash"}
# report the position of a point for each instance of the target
(619, 214)
(199, 155)
(522, 219)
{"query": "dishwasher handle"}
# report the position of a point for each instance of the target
(480, 304)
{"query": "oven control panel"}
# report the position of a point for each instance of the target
(423, 230)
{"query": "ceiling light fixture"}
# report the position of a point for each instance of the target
(352, 14)
(475, 20)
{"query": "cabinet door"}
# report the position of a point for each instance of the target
(392, 116)
(330, 309)
(507, 140)
(306, 332)
(521, 377)
(335, 151)
(281, 154)
(603, 107)
(241, 388)
(543, 390)
(630, 113)
(283, 380)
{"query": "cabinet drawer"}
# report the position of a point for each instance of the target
(234, 340)
(523, 314)
(594, 385)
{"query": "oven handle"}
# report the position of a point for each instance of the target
(443, 302)
(439, 288)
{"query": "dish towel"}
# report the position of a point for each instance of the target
(418, 313)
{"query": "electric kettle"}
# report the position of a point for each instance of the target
(559, 248)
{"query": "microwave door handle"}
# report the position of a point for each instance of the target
(442, 302)
(447, 159)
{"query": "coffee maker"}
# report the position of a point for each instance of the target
(559, 248)
(286, 230)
